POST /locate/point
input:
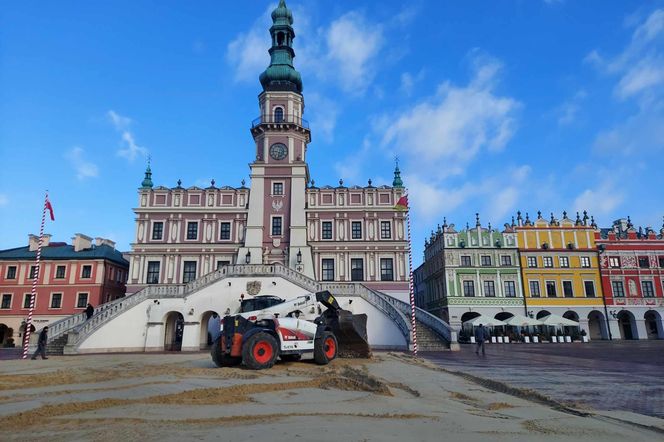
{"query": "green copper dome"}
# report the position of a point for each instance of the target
(281, 75)
(397, 182)
(147, 181)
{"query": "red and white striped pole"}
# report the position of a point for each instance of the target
(35, 279)
(413, 325)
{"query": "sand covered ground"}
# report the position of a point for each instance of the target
(391, 397)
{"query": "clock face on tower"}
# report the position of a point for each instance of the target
(278, 151)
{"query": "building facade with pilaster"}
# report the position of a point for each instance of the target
(345, 234)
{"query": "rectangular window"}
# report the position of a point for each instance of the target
(618, 289)
(225, 231)
(11, 272)
(26, 300)
(551, 289)
(568, 291)
(327, 230)
(532, 261)
(6, 301)
(468, 289)
(158, 230)
(82, 300)
(589, 287)
(189, 271)
(465, 261)
(276, 226)
(33, 272)
(563, 261)
(220, 264)
(614, 262)
(385, 230)
(60, 272)
(386, 269)
(661, 262)
(489, 289)
(648, 289)
(277, 188)
(153, 272)
(505, 260)
(585, 262)
(328, 270)
(534, 289)
(357, 269)
(644, 262)
(356, 230)
(86, 272)
(510, 289)
(548, 261)
(192, 230)
(485, 260)
(56, 300)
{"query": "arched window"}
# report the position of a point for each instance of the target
(278, 115)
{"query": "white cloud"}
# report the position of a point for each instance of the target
(408, 81)
(567, 112)
(325, 112)
(640, 68)
(352, 44)
(130, 149)
(602, 199)
(248, 52)
(84, 169)
(447, 131)
(4, 200)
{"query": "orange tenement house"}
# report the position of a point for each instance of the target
(71, 276)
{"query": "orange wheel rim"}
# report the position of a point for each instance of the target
(262, 352)
(330, 348)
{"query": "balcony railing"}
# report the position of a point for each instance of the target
(280, 119)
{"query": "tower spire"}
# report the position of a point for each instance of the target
(397, 182)
(147, 181)
(281, 75)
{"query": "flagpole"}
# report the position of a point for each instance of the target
(33, 295)
(413, 324)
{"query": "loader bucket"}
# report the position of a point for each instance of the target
(350, 329)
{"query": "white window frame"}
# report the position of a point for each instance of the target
(613, 291)
(321, 230)
(562, 283)
(163, 230)
(380, 229)
(565, 260)
(613, 259)
(587, 259)
(50, 300)
(11, 300)
(186, 230)
(230, 234)
(505, 283)
(585, 292)
(23, 301)
(87, 300)
(555, 286)
(530, 288)
(83, 267)
(182, 262)
(15, 267)
(334, 268)
(544, 261)
(272, 217)
(531, 259)
(283, 188)
(361, 238)
(509, 258)
(643, 292)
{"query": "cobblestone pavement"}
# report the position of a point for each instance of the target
(614, 376)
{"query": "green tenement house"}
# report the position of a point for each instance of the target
(471, 272)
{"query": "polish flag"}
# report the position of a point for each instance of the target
(50, 209)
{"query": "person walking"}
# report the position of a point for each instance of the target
(41, 344)
(480, 336)
(89, 311)
(214, 327)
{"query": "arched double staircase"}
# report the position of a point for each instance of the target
(433, 334)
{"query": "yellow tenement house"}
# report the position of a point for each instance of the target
(560, 270)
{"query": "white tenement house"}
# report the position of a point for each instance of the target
(198, 250)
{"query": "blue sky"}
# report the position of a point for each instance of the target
(491, 106)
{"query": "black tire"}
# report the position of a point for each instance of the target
(220, 358)
(290, 358)
(325, 348)
(260, 351)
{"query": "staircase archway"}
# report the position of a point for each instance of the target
(174, 330)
